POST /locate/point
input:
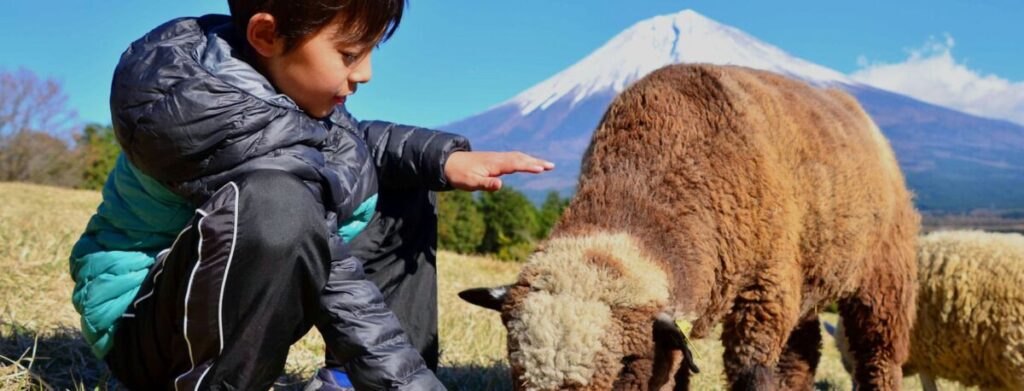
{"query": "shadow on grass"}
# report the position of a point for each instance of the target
(475, 377)
(54, 359)
(826, 385)
(455, 378)
(59, 359)
(290, 382)
(496, 377)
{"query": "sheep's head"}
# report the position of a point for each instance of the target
(587, 313)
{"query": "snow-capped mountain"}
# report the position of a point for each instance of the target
(555, 118)
(685, 37)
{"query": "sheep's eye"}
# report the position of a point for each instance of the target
(629, 359)
(627, 365)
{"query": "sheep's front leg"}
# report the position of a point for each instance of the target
(799, 360)
(877, 329)
(757, 328)
(877, 317)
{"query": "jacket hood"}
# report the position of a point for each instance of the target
(188, 109)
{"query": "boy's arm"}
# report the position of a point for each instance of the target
(364, 334)
(409, 156)
(439, 160)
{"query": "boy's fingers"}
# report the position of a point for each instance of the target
(543, 165)
(480, 182)
(492, 184)
(531, 168)
(527, 163)
(541, 162)
(530, 160)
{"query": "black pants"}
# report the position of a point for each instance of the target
(399, 248)
(241, 284)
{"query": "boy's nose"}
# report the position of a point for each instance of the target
(363, 71)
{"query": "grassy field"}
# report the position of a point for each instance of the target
(40, 347)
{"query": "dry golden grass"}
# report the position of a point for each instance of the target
(40, 347)
(39, 341)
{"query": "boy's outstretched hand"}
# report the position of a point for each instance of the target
(471, 171)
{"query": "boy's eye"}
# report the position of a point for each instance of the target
(349, 58)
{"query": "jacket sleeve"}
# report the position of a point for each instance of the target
(363, 333)
(409, 156)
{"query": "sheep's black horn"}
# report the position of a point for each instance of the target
(491, 298)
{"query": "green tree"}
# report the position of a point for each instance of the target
(99, 149)
(549, 213)
(510, 220)
(460, 226)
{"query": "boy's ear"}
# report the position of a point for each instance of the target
(262, 35)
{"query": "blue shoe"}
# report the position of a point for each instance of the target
(330, 379)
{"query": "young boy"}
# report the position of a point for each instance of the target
(231, 222)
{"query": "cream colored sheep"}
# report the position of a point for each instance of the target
(970, 311)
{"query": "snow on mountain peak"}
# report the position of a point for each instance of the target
(684, 37)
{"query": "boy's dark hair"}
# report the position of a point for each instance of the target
(364, 21)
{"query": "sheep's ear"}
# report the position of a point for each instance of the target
(491, 298)
(668, 335)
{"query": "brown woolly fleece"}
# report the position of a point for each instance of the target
(756, 201)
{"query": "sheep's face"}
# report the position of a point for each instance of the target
(558, 341)
(582, 315)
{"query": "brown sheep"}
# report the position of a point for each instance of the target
(712, 195)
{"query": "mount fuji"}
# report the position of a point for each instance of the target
(952, 160)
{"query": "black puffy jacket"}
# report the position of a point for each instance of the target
(192, 115)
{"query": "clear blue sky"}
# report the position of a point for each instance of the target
(454, 58)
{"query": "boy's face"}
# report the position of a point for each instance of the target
(319, 72)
